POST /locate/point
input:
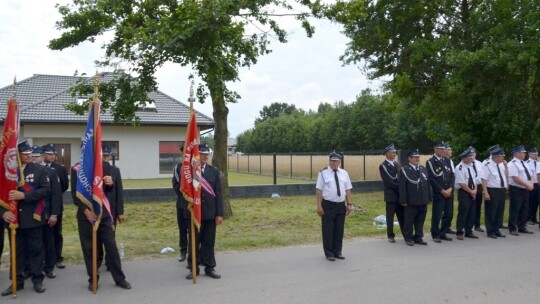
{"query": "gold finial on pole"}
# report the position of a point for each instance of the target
(191, 99)
(14, 88)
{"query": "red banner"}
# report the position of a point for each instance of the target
(10, 166)
(190, 183)
(97, 186)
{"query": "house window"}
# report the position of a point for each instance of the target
(115, 148)
(169, 155)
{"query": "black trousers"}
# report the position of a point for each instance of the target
(391, 209)
(441, 215)
(494, 210)
(333, 227)
(2, 233)
(182, 230)
(415, 215)
(205, 240)
(105, 235)
(466, 213)
(478, 206)
(58, 239)
(48, 247)
(519, 208)
(534, 197)
(30, 254)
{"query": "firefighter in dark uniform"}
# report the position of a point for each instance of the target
(105, 234)
(414, 195)
(115, 194)
(49, 157)
(441, 178)
(534, 196)
(389, 170)
(521, 183)
(333, 191)
(466, 189)
(52, 212)
(181, 206)
(29, 238)
(494, 185)
(211, 216)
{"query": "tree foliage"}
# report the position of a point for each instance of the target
(470, 68)
(210, 36)
(274, 110)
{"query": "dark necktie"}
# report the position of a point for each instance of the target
(500, 175)
(474, 167)
(526, 171)
(471, 182)
(337, 183)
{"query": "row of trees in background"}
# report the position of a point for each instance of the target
(370, 123)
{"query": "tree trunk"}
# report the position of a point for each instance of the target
(219, 159)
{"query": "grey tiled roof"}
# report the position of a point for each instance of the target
(43, 97)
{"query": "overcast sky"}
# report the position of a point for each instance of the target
(303, 71)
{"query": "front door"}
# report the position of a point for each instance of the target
(63, 155)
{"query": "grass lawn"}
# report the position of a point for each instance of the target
(235, 179)
(257, 223)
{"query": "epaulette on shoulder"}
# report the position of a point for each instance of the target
(487, 163)
(322, 169)
(460, 167)
(513, 160)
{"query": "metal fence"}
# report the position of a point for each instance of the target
(361, 165)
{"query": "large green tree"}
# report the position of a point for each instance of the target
(469, 67)
(213, 37)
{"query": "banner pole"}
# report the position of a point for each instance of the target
(96, 224)
(13, 257)
(194, 265)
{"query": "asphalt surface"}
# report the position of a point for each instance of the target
(375, 271)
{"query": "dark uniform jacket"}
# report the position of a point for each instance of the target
(414, 186)
(441, 176)
(54, 200)
(211, 206)
(61, 171)
(389, 175)
(80, 205)
(35, 176)
(114, 193)
(181, 202)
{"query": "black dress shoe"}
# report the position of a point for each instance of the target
(90, 287)
(39, 288)
(449, 230)
(182, 257)
(50, 274)
(409, 243)
(445, 238)
(123, 284)
(60, 265)
(525, 231)
(213, 274)
(479, 229)
(513, 232)
(437, 240)
(493, 236)
(471, 236)
(500, 235)
(391, 240)
(7, 292)
(190, 275)
(460, 237)
(420, 242)
(339, 256)
(331, 258)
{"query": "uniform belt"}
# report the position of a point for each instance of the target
(518, 188)
(325, 200)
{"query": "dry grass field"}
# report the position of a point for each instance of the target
(360, 167)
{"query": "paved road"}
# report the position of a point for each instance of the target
(375, 271)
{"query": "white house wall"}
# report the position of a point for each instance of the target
(138, 146)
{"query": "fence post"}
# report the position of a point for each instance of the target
(310, 165)
(237, 162)
(291, 164)
(260, 163)
(275, 171)
(364, 164)
(248, 163)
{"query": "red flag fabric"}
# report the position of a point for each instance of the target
(97, 186)
(190, 183)
(10, 165)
